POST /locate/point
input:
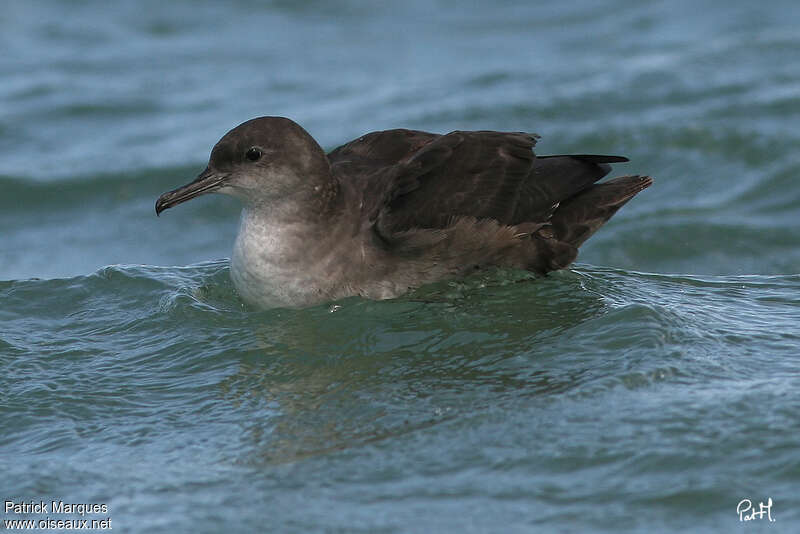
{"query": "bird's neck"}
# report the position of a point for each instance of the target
(280, 231)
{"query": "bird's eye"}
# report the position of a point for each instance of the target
(253, 154)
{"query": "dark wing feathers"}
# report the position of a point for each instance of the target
(377, 165)
(474, 174)
(413, 179)
(553, 179)
(382, 149)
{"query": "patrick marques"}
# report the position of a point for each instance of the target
(61, 507)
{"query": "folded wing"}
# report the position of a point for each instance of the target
(413, 179)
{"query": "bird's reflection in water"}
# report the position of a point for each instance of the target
(360, 372)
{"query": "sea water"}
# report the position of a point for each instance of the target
(653, 387)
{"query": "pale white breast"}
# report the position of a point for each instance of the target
(269, 266)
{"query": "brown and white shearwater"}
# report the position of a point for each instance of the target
(396, 209)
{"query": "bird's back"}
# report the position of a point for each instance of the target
(416, 186)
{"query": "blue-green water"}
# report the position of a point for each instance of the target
(650, 389)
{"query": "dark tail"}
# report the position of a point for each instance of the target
(578, 217)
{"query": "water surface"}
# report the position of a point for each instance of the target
(650, 388)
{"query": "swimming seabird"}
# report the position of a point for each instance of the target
(396, 209)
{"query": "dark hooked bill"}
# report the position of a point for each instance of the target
(206, 182)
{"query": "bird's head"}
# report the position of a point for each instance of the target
(263, 161)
